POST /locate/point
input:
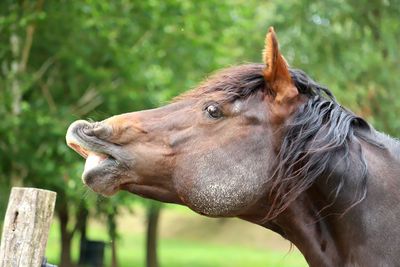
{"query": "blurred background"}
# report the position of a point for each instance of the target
(66, 60)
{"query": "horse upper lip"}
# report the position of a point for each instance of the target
(80, 138)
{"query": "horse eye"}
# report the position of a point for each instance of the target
(214, 112)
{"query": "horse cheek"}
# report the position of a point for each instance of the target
(218, 184)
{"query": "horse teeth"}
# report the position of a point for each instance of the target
(93, 160)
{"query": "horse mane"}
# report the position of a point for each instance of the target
(235, 82)
(321, 129)
(244, 80)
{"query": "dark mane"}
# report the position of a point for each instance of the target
(244, 80)
(235, 82)
(321, 129)
(320, 134)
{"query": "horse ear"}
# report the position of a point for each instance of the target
(276, 71)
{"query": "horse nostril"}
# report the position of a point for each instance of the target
(88, 132)
(102, 131)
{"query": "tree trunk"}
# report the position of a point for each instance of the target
(153, 213)
(83, 214)
(112, 231)
(66, 237)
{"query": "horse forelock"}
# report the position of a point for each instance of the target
(245, 80)
(234, 83)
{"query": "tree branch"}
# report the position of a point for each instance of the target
(30, 30)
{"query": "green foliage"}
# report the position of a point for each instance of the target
(350, 47)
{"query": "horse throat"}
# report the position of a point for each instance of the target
(305, 227)
(342, 230)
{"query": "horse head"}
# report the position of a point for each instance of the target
(212, 149)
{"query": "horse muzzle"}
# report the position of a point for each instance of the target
(102, 166)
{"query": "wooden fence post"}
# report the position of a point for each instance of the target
(26, 227)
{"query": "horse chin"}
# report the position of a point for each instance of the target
(101, 186)
(102, 179)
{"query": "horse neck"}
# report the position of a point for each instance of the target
(342, 234)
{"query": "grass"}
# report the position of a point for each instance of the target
(177, 251)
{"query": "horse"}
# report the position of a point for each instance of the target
(267, 144)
